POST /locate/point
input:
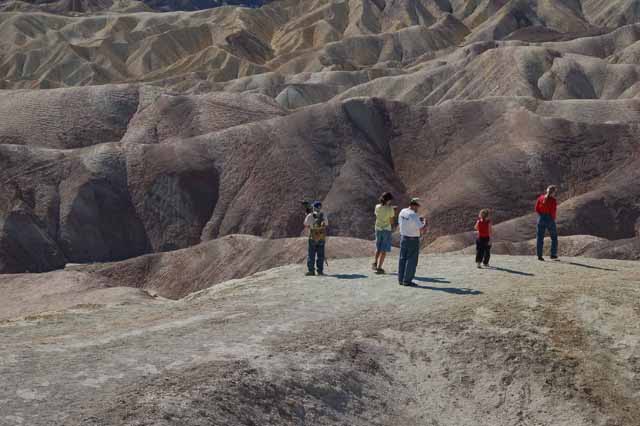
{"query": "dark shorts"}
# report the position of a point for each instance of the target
(383, 241)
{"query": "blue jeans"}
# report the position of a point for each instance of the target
(546, 222)
(409, 252)
(315, 255)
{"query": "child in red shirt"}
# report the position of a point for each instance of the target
(547, 207)
(483, 242)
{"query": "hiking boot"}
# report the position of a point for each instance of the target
(310, 274)
(540, 258)
(380, 271)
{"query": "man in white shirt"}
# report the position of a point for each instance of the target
(412, 227)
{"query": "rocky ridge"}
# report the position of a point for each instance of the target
(550, 343)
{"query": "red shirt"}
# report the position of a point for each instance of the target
(547, 206)
(483, 226)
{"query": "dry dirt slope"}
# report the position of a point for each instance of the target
(524, 344)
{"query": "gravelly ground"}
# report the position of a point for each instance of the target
(523, 344)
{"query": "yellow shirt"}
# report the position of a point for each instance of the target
(384, 214)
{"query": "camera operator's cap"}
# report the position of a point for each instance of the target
(414, 202)
(317, 204)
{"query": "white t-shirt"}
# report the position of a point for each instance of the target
(309, 221)
(410, 224)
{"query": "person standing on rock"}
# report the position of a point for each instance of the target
(546, 207)
(483, 242)
(412, 227)
(385, 215)
(316, 223)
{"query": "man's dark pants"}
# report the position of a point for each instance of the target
(315, 255)
(483, 250)
(409, 252)
(546, 222)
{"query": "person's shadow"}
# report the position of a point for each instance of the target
(450, 290)
(582, 265)
(431, 280)
(428, 279)
(348, 276)
(511, 271)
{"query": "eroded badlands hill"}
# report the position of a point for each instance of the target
(135, 146)
(166, 130)
(364, 39)
(192, 168)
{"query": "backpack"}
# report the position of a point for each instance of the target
(318, 230)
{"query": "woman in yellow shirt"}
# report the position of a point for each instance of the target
(385, 216)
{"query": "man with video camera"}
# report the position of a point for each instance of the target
(316, 223)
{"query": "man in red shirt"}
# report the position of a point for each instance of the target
(546, 207)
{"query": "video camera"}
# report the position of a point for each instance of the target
(308, 206)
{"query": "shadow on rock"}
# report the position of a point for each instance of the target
(450, 290)
(432, 280)
(511, 271)
(582, 265)
(348, 276)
